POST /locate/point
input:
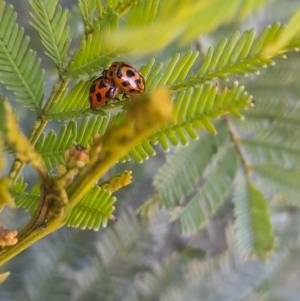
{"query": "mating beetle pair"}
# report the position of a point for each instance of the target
(120, 77)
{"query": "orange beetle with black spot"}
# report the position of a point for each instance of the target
(102, 90)
(127, 78)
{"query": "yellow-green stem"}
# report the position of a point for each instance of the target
(38, 127)
(117, 142)
(29, 239)
(30, 235)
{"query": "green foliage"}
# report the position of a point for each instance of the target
(113, 266)
(70, 104)
(50, 20)
(173, 181)
(194, 194)
(283, 182)
(87, 9)
(27, 200)
(126, 242)
(226, 277)
(234, 171)
(93, 211)
(20, 67)
(187, 21)
(93, 52)
(53, 146)
(252, 219)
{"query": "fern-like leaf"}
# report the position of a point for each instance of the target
(19, 66)
(188, 21)
(174, 181)
(24, 199)
(193, 194)
(269, 147)
(119, 252)
(269, 142)
(50, 20)
(70, 104)
(87, 8)
(225, 277)
(194, 110)
(93, 211)
(89, 127)
(176, 70)
(207, 197)
(285, 39)
(143, 13)
(282, 182)
(52, 147)
(93, 54)
(240, 54)
(253, 221)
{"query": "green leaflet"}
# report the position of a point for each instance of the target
(195, 181)
(93, 211)
(71, 103)
(175, 179)
(53, 146)
(50, 20)
(253, 225)
(175, 25)
(284, 183)
(87, 9)
(207, 197)
(240, 54)
(144, 12)
(269, 139)
(269, 147)
(194, 110)
(19, 66)
(24, 199)
(187, 22)
(93, 54)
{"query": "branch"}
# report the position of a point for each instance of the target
(144, 116)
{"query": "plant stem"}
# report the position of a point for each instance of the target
(38, 127)
(143, 119)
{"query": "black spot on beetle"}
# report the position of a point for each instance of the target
(92, 89)
(119, 73)
(137, 82)
(125, 83)
(134, 91)
(101, 84)
(130, 73)
(99, 97)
